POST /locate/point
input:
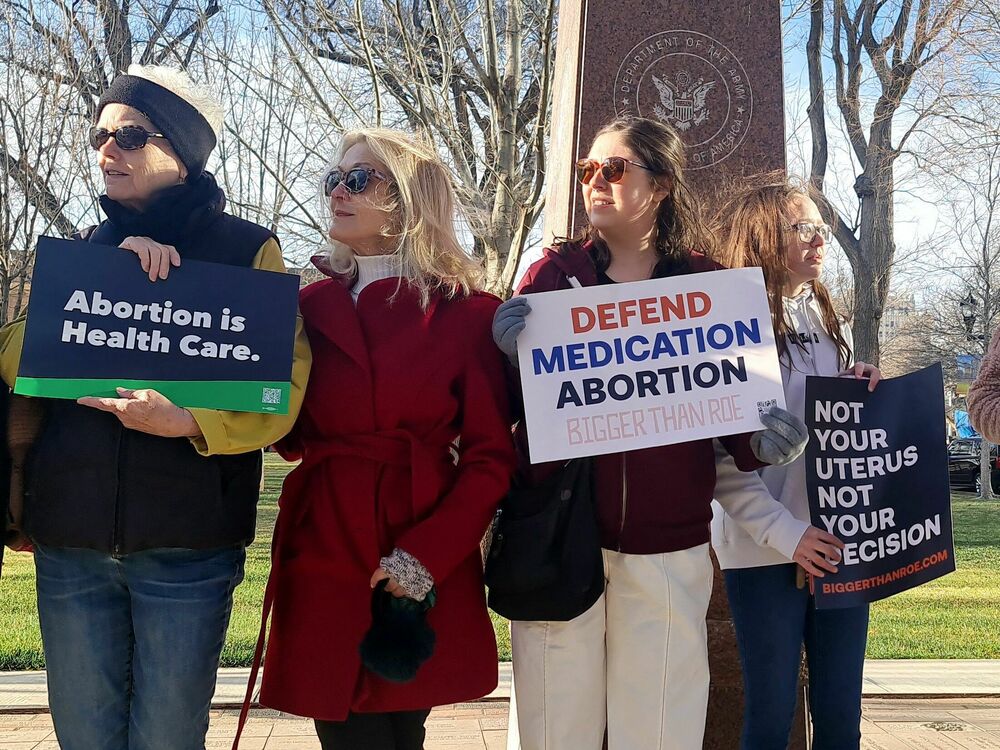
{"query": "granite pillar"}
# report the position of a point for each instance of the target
(713, 70)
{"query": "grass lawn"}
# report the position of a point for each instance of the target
(954, 617)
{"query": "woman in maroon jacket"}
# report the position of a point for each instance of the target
(403, 365)
(637, 660)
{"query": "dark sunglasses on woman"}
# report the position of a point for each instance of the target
(127, 137)
(355, 180)
(612, 168)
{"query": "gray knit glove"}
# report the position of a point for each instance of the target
(508, 322)
(408, 572)
(783, 440)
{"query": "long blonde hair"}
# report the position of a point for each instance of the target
(751, 224)
(423, 209)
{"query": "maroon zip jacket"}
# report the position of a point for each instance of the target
(651, 500)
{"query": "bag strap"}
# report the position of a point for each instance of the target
(258, 653)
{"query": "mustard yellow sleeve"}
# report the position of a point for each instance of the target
(238, 432)
(11, 342)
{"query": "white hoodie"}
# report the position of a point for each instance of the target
(733, 545)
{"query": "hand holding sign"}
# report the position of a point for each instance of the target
(862, 370)
(154, 257)
(783, 439)
(818, 551)
(508, 322)
(147, 411)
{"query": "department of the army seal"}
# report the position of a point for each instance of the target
(694, 83)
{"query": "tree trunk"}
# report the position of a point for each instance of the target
(5, 299)
(21, 282)
(874, 188)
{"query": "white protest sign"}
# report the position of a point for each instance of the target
(620, 367)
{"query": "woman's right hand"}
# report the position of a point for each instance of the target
(154, 257)
(508, 322)
(818, 551)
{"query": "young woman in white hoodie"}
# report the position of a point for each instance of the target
(775, 225)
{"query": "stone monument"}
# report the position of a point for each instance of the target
(713, 70)
(710, 68)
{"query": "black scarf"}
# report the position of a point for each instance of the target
(175, 214)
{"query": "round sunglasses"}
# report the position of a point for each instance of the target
(127, 137)
(355, 180)
(612, 168)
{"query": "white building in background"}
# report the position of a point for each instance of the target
(898, 311)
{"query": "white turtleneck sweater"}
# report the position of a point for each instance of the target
(372, 268)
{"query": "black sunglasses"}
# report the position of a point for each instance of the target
(127, 137)
(612, 168)
(355, 180)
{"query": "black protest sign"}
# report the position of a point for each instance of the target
(877, 476)
(210, 335)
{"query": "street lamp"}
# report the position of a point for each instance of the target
(968, 308)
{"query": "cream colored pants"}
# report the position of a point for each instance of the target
(636, 662)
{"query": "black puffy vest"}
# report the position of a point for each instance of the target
(96, 485)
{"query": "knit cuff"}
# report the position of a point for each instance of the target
(415, 579)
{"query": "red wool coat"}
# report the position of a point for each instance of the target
(392, 388)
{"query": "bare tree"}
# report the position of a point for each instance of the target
(41, 185)
(975, 213)
(896, 63)
(963, 312)
(57, 58)
(79, 48)
(476, 77)
(277, 135)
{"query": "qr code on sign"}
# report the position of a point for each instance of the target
(763, 407)
(271, 396)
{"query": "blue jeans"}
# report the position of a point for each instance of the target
(132, 644)
(773, 618)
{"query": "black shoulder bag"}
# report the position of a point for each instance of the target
(545, 559)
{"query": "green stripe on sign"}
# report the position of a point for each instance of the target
(227, 395)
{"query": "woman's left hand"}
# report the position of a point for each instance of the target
(155, 258)
(783, 438)
(147, 411)
(392, 586)
(864, 370)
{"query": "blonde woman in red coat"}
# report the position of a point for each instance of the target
(404, 437)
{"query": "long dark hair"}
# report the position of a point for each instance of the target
(750, 224)
(679, 224)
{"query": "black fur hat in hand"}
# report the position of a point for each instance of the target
(399, 640)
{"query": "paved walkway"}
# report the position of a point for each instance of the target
(931, 677)
(889, 724)
(964, 715)
(25, 691)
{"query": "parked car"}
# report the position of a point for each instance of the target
(963, 464)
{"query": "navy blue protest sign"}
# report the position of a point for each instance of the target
(877, 477)
(210, 336)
